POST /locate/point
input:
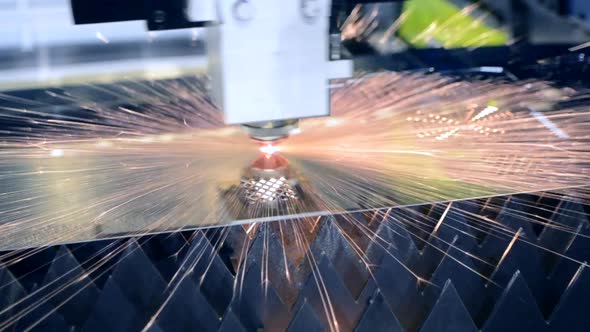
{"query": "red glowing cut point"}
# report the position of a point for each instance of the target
(269, 149)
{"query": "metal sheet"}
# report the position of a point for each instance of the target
(394, 139)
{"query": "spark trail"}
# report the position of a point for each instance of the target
(139, 158)
(98, 166)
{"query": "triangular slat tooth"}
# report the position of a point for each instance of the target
(357, 228)
(367, 293)
(139, 280)
(40, 258)
(376, 252)
(524, 257)
(455, 225)
(472, 212)
(399, 288)
(36, 313)
(165, 251)
(579, 247)
(405, 281)
(231, 323)
(187, 235)
(77, 298)
(565, 268)
(491, 206)
(43, 318)
(331, 243)
(459, 267)
(11, 291)
(558, 281)
(490, 251)
(394, 235)
(187, 310)
(572, 210)
(431, 256)
(417, 223)
(305, 319)
(346, 309)
(514, 215)
(163, 245)
(516, 310)
(571, 314)
(92, 256)
(113, 312)
(468, 206)
(200, 249)
(267, 251)
(378, 317)
(154, 328)
(569, 214)
(233, 246)
(257, 304)
(229, 243)
(555, 239)
(449, 313)
(537, 209)
(417, 310)
(412, 251)
(210, 274)
(420, 298)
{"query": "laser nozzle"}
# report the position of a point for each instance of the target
(271, 131)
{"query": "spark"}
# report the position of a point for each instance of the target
(102, 37)
(485, 112)
(579, 47)
(447, 134)
(333, 122)
(549, 124)
(57, 153)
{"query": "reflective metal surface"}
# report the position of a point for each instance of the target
(394, 139)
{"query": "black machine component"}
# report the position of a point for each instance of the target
(169, 14)
(159, 14)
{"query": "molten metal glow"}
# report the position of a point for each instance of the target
(269, 149)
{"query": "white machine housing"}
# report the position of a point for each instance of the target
(269, 59)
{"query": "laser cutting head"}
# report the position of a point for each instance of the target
(269, 61)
